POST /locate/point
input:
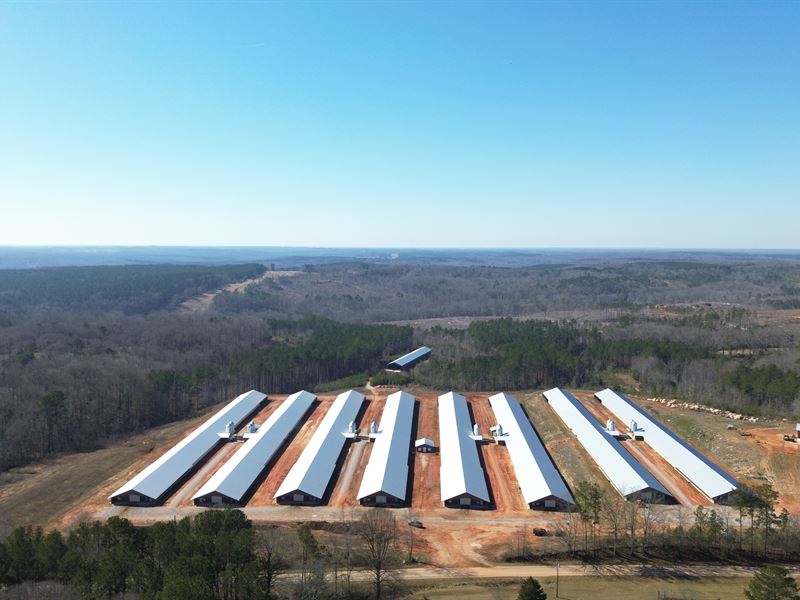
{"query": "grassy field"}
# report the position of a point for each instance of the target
(592, 588)
(39, 494)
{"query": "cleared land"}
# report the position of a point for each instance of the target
(452, 538)
(204, 301)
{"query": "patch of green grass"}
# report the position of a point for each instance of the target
(690, 430)
(351, 381)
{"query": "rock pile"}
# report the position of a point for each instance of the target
(672, 403)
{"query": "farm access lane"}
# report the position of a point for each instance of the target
(673, 514)
(578, 570)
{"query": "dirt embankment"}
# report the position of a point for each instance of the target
(779, 463)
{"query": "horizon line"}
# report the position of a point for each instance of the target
(405, 248)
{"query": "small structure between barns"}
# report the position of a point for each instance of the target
(425, 445)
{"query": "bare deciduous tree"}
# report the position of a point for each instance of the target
(378, 531)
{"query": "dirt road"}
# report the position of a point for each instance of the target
(578, 570)
(204, 301)
(677, 485)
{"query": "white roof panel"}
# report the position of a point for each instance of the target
(537, 475)
(313, 470)
(461, 471)
(624, 472)
(387, 469)
(160, 475)
(236, 476)
(411, 356)
(699, 470)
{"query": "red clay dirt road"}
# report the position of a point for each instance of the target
(348, 479)
(499, 468)
(264, 494)
(426, 490)
(683, 491)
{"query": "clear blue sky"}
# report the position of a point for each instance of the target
(401, 124)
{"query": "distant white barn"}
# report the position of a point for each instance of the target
(153, 484)
(463, 481)
(624, 472)
(540, 482)
(310, 476)
(233, 481)
(408, 361)
(707, 477)
(385, 480)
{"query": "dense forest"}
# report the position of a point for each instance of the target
(367, 292)
(127, 289)
(505, 354)
(509, 354)
(69, 381)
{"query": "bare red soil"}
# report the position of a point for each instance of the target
(676, 484)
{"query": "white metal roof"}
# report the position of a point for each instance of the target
(313, 470)
(537, 475)
(699, 470)
(624, 472)
(411, 356)
(424, 442)
(160, 475)
(237, 475)
(387, 469)
(461, 471)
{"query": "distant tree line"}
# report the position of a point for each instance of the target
(389, 292)
(127, 289)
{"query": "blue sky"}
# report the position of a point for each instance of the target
(659, 125)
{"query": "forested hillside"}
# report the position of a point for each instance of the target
(69, 381)
(127, 289)
(383, 292)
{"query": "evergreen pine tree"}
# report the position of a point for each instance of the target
(773, 582)
(531, 590)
